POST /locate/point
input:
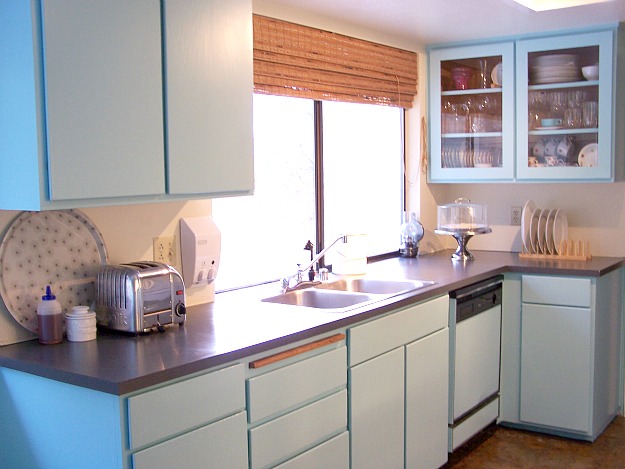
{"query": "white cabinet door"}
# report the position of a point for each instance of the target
(427, 375)
(103, 98)
(377, 412)
(209, 82)
(556, 365)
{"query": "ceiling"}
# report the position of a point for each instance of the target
(437, 21)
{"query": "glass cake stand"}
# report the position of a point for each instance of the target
(463, 236)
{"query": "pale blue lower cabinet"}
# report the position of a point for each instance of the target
(198, 421)
(48, 424)
(215, 446)
(560, 353)
(297, 405)
(298, 431)
(398, 384)
(427, 375)
(333, 453)
(377, 411)
(556, 362)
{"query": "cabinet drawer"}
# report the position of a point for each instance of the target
(563, 291)
(285, 388)
(178, 407)
(381, 335)
(220, 444)
(333, 453)
(298, 431)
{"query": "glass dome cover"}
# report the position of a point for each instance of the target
(462, 215)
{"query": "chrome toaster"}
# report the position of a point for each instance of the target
(139, 297)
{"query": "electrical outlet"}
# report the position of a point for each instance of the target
(164, 249)
(515, 216)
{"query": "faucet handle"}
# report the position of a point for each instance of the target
(324, 274)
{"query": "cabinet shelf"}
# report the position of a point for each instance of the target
(472, 91)
(564, 85)
(564, 131)
(472, 135)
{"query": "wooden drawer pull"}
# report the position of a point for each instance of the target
(296, 351)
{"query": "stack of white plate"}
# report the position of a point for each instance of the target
(543, 230)
(558, 68)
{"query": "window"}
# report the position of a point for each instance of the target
(263, 236)
(362, 173)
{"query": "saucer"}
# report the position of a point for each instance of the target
(588, 156)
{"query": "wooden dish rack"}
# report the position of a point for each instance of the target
(573, 250)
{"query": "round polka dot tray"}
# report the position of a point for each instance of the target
(60, 248)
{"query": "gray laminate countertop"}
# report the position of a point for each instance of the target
(238, 325)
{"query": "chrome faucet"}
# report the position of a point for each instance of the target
(300, 282)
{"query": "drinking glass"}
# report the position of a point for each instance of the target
(573, 118)
(589, 114)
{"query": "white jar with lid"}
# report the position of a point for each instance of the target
(80, 324)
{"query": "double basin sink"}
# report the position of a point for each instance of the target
(347, 293)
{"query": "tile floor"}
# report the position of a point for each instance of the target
(505, 448)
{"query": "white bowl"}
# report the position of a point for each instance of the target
(591, 72)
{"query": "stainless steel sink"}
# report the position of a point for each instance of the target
(374, 286)
(314, 298)
(347, 293)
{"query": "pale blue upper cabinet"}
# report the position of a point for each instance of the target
(88, 76)
(579, 143)
(209, 83)
(103, 106)
(471, 92)
(541, 79)
(90, 118)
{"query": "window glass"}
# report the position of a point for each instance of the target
(363, 174)
(263, 235)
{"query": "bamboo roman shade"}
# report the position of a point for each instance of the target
(295, 60)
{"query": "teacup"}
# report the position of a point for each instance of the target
(551, 147)
(539, 149)
(551, 122)
(565, 148)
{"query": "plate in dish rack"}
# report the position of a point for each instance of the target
(60, 248)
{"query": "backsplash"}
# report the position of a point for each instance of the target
(595, 212)
(127, 232)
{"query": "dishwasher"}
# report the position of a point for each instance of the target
(474, 357)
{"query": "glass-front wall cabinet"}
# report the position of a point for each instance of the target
(564, 107)
(472, 113)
